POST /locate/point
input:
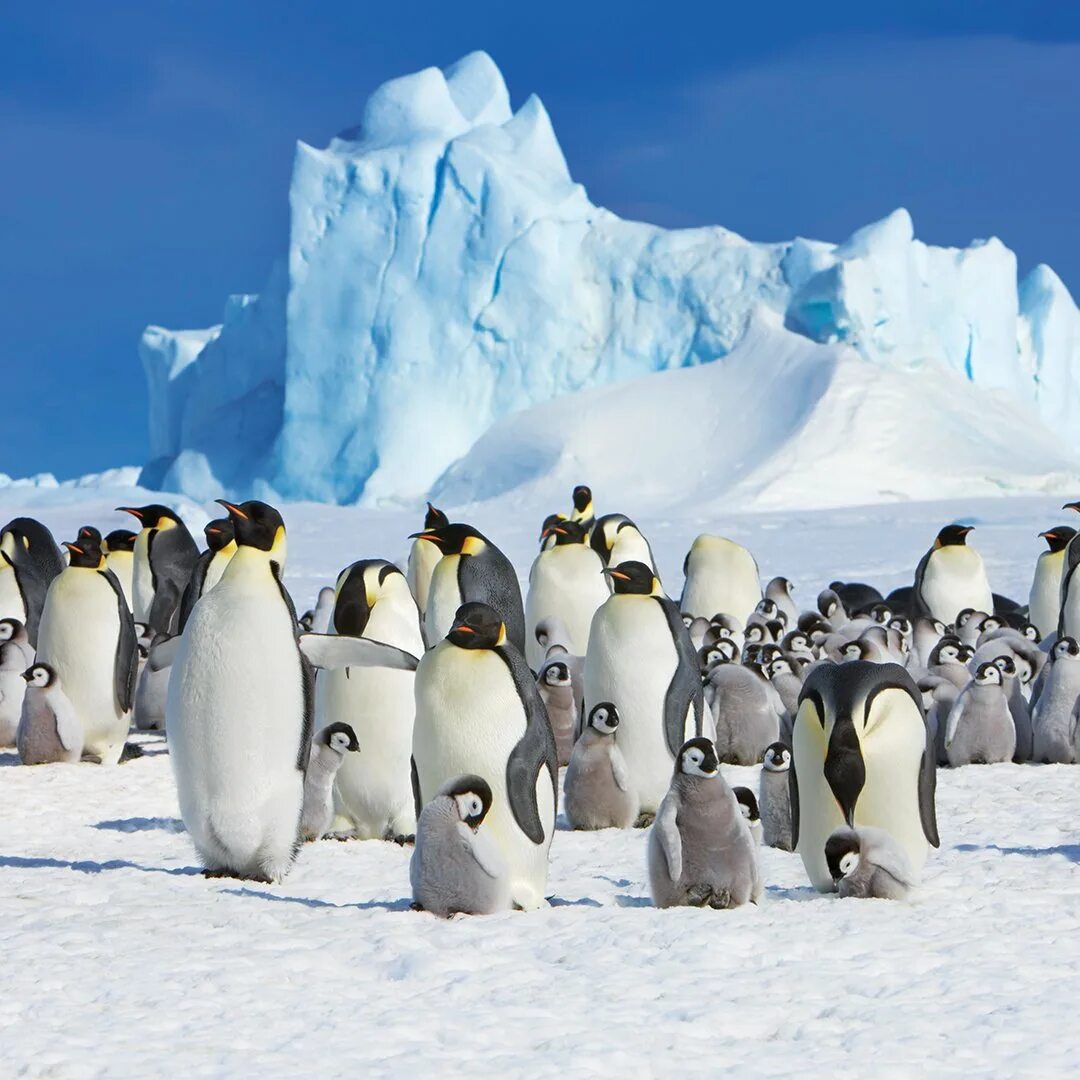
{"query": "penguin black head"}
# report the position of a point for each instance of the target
(472, 794)
(152, 516)
(946, 651)
(767, 607)
(219, 533)
(1066, 647)
(359, 589)
(632, 578)
(556, 674)
(711, 655)
(88, 534)
(966, 652)
(604, 718)
(747, 801)
(477, 626)
(40, 675)
(697, 757)
(9, 629)
(455, 539)
(1071, 506)
(842, 853)
(434, 519)
(1057, 538)
(339, 736)
(255, 524)
(779, 666)
(120, 540)
(1005, 664)
(880, 613)
(549, 524)
(569, 532)
(86, 553)
(813, 625)
(777, 758)
(828, 603)
(952, 535)
(582, 498)
(988, 674)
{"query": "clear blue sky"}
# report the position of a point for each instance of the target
(145, 149)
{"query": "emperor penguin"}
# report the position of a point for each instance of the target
(29, 561)
(616, 539)
(423, 555)
(1054, 718)
(980, 729)
(12, 691)
(597, 792)
(641, 659)
(1044, 600)
(87, 637)
(748, 807)
(373, 795)
(165, 556)
(119, 548)
(861, 755)
(743, 713)
(49, 731)
(318, 619)
(456, 867)
(720, 576)
(210, 565)
(701, 852)
(951, 576)
(774, 798)
(555, 680)
(779, 590)
(478, 711)
(329, 749)
(1069, 597)
(566, 581)
(472, 570)
(868, 863)
(14, 631)
(239, 711)
(583, 513)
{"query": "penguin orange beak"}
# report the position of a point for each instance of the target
(1049, 534)
(1071, 506)
(130, 510)
(560, 530)
(614, 574)
(462, 629)
(74, 548)
(232, 508)
(424, 536)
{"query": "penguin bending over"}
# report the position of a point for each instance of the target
(868, 863)
(29, 561)
(165, 556)
(720, 576)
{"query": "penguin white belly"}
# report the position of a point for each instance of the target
(955, 579)
(819, 812)
(444, 599)
(1070, 607)
(423, 557)
(234, 719)
(630, 661)
(214, 571)
(78, 636)
(142, 580)
(122, 564)
(724, 579)
(11, 601)
(567, 582)
(468, 720)
(1044, 602)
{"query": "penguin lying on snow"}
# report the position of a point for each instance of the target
(868, 863)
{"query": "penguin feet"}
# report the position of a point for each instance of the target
(414, 906)
(720, 900)
(644, 820)
(699, 896)
(217, 873)
(402, 841)
(130, 752)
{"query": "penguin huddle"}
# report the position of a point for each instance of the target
(435, 705)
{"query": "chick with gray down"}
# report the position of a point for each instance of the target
(748, 807)
(328, 749)
(700, 851)
(597, 793)
(774, 797)
(555, 682)
(743, 712)
(980, 728)
(1054, 726)
(14, 631)
(1012, 670)
(49, 728)
(12, 691)
(867, 863)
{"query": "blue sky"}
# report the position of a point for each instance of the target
(145, 150)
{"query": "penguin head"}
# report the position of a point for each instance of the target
(842, 853)
(988, 674)
(152, 516)
(219, 534)
(1057, 538)
(829, 604)
(1006, 665)
(632, 579)
(120, 540)
(966, 652)
(340, 737)
(711, 655)
(472, 797)
(477, 626)
(795, 641)
(901, 624)
(548, 527)
(748, 806)
(697, 757)
(434, 519)
(86, 553)
(454, 539)
(856, 650)
(953, 535)
(582, 500)
(726, 625)
(257, 526)
(9, 629)
(556, 674)
(779, 666)
(880, 613)
(88, 534)
(777, 758)
(604, 718)
(569, 532)
(40, 676)
(946, 651)
(1066, 648)
(1031, 632)
(754, 634)
(359, 588)
(990, 623)
(767, 607)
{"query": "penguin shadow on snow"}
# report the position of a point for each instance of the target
(87, 866)
(9, 759)
(404, 904)
(131, 825)
(1070, 851)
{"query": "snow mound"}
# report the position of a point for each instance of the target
(444, 272)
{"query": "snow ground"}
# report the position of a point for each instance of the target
(119, 959)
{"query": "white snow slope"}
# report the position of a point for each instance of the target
(119, 959)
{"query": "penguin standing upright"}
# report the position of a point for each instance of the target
(1055, 718)
(239, 710)
(774, 797)
(119, 548)
(721, 576)
(583, 513)
(210, 565)
(49, 731)
(597, 790)
(951, 576)
(980, 728)
(616, 539)
(423, 555)
(29, 561)
(567, 581)
(472, 570)
(478, 711)
(1044, 601)
(165, 556)
(87, 637)
(861, 755)
(1069, 596)
(640, 658)
(329, 751)
(12, 691)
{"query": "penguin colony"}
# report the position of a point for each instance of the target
(435, 706)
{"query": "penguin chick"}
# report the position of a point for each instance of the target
(328, 750)
(748, 806)
(701, 853)
(597, 789)
(454, 868)
(12, 691)
(15, 631)
(867, 863)
(151, 691)
(788, 686)
(746, 721)
(779, 591)
(1012, 682)
(1054, 717)
(774, 797)
(556, 687)
(980, 729)
(49, 729)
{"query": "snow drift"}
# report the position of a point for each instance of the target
(445, 271)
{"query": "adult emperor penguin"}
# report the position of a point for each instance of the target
(49, 731)
(239, 710)
(1069, 614)
(373, 795)
(597, 790)
(616, 539)
(720, 576)
(220, 548)
(119, 548)
(1044, 600)
(861, 755)
(951, 576)
(87, 636)
(472, 570)
(165, 556)
(567, 581)
(640, 658)
(478, 711)
(29, 561)
(423, 555)
(583, 513)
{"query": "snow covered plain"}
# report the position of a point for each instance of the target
(119, 959)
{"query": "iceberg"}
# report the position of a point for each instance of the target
(445, 272)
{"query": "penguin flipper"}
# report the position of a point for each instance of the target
(194, 589)
(481, 854)
(685, 690)
(918, 604)
(619, 771)
(336, 651)
(793, 799)
(68, 728)
(928, 792)
(126, 664)
(163, 608)
(418, 802)
(666, 826)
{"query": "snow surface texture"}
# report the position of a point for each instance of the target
(120, 959)
(445, 271)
